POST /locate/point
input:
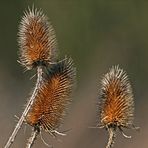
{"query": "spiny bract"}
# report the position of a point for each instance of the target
(116, 102)
(53, 96)
(37, 40)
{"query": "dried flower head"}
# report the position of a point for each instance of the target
(36, 39)
(116, 102)
(53, 96)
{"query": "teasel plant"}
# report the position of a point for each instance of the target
(36, 39)
(52, 99)
(116, 104)
(49, 99)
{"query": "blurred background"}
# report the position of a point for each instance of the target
(96, 34)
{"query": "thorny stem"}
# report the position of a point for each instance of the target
(28, 106)
(32, 138)
(112, 136)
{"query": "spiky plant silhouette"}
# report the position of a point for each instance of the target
(116, 103)
(55, 80)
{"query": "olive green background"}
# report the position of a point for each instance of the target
(96, 34)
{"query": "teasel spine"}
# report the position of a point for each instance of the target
(50, 104)
(53, 97)
(37, 40)
(116, 103)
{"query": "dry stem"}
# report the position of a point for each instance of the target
(28, 106)
(112, 136)
(32, 138)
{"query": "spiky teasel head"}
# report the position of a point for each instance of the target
(53, 97)
(116, 102)
(37, 40)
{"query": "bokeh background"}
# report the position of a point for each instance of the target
(96, 34)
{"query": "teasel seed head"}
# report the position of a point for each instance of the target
(37, 39)
(116, 102)
(53, 97)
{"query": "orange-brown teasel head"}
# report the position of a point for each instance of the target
(37, 40)
(116, 102)
(53, 97)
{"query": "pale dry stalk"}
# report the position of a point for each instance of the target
(28, 106)
(32, 138)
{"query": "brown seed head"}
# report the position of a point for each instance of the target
(53, 96)
(36, 39)
(117, 104)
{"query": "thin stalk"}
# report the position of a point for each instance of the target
(28, 106)
(32, 138)
(112, 136)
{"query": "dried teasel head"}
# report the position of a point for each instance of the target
(116, 102)
(37, 39)
(53, 97)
